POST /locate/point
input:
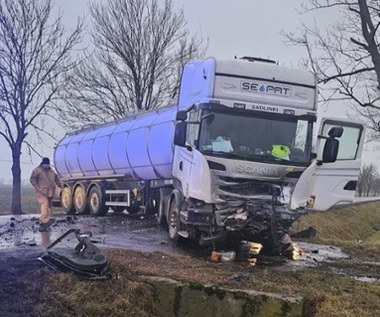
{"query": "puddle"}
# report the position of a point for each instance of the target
(368, 279)
(313, 254)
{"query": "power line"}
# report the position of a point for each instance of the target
(9, 161)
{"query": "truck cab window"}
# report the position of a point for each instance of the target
(192, 129)
(348, 142)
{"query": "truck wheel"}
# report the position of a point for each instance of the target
(80, 200)
(96, 202)
(67, 201)
(160, 215)
(173, 221)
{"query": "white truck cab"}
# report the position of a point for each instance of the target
(243, 154)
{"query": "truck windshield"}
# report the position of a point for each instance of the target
(273, 139)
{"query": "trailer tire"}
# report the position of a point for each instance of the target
(80, 200)
(67, 201)
(96, 202)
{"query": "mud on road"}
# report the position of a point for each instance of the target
(132, 232)
(22, 276)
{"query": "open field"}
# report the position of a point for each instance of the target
(28, 200)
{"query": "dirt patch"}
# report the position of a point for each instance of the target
(23, 278)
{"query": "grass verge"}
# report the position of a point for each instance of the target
(326, 293)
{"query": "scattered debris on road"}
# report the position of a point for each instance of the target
(85, 260)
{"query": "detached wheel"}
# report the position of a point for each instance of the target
(67, 202)
(96, 202)
(80, 200)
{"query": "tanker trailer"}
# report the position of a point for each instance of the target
(122, 164)
(235, 158)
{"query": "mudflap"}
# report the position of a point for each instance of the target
(85, 260)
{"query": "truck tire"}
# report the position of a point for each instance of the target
(96, 202)
(173, 221)
(160, 215)
(67, 202)
(80, 200)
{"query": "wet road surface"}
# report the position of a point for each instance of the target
(134, 232)
(20, 234)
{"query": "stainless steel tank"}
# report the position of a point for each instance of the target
(139, 147)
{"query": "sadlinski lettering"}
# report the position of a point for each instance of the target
(265, 108)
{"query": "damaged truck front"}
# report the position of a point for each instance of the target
(233, 159)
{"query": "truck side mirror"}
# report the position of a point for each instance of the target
(181, 115)
(336, 132)
(330, 150)
(180, 133)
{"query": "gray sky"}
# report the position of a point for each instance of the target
(234, 27)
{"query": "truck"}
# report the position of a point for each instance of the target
(241, 155)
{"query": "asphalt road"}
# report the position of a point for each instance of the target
(135, 232)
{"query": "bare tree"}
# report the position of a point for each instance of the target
(34, 54)
(368, 179)
(140, 49)
(376, 187)
(346, 56)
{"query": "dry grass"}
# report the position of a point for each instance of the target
(325, 294)
(356, 227)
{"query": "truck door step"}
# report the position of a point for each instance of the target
(183, 234)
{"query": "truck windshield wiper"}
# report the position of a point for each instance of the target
(238, 155)
(266, 158)
(221, 153)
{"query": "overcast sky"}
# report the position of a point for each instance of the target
(234, 28)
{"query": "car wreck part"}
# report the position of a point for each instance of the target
(85, 260)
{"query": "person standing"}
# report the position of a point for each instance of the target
(44, 180)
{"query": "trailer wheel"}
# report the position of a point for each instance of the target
(80, 200)
(67, 201)
(173, 221)
(96, 202)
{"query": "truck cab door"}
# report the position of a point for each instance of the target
(324, 185)
(185, 139)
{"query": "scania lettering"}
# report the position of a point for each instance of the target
(267, 171)
(212, 168)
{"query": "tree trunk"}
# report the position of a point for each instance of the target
(16, 173)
